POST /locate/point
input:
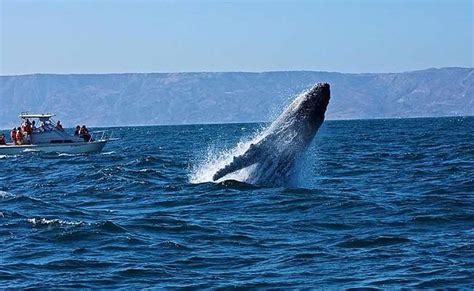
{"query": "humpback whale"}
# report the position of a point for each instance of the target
(270, 158)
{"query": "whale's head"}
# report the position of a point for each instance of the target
(315, 102)
(310, 107)
(299, 123)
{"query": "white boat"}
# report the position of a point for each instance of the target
(48, 138)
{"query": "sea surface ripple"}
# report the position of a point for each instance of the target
(379, 203)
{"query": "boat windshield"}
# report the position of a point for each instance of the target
(44, 122)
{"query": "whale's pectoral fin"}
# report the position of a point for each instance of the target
(239, 162)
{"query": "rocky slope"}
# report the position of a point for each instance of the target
(182, 98)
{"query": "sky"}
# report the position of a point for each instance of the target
(72, 36)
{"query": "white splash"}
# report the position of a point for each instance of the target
(44, 221)
(215, 159)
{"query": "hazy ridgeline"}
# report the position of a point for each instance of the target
(183, 98)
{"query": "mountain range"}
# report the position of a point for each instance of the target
(187, 98)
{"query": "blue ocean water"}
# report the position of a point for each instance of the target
(376, 203)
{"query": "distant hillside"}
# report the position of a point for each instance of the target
(180, 98)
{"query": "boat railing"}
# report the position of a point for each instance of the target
(100, 135)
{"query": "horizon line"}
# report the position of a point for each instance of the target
(227, 72)
(268, 121)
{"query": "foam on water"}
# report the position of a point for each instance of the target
(45, 221)
(6, 156)
(31, 150)
(66, 155)
(4, 194)
(217, 159)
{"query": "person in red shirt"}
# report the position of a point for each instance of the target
(13, 135)
(19, 136)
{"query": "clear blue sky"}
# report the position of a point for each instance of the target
(180, 36)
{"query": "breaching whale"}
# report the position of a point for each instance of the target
(271, 158)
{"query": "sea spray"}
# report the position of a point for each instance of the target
(216, 158)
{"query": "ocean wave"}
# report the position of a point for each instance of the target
(372, 242)
(365, 214)
(7, 156)
(5, 195)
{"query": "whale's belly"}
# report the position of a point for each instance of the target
(272, 170)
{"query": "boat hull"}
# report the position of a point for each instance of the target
(71, 148)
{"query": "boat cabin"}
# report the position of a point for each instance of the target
(45, 131)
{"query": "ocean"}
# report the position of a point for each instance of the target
(373, 203)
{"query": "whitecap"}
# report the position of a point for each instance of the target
(44, 221)
(66, 155)
(30, 150)
(4, 194)
(7, 156)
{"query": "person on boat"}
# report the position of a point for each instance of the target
(13, 135)
(77, 131)
(33, 126)
(19, 136)
(59, 126)
(44, 127)
(84, 133)
(28, 130)
(2, 140)
(27, 125)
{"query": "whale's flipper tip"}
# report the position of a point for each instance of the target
(216, 176)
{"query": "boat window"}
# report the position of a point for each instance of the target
(61, 141)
